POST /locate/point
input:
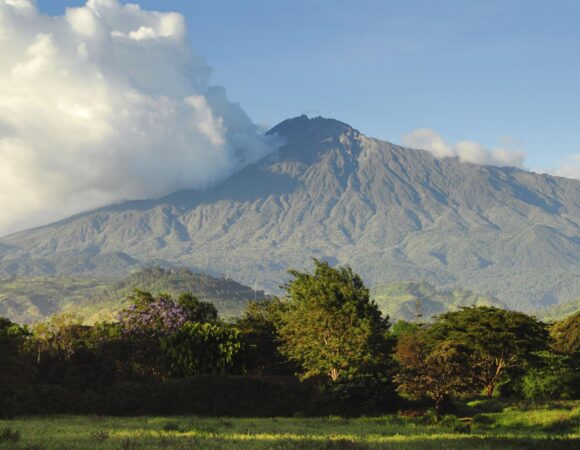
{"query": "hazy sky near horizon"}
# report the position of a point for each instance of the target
(105, 100)
(502, 73)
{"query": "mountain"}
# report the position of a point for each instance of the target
(30, 299)
(330, 192)
(559, 311)
(422, 301)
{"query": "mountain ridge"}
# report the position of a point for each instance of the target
(330, 192)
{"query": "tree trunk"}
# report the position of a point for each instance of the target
(334, 373)
(489, 390)
(438, 402)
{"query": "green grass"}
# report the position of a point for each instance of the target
(550, 427)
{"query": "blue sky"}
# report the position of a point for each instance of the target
(476, 70)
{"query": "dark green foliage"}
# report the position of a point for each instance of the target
(171, 426)
(259, 328)
(15, 366)
(435, 370)
(498, 339)
(455, 424)
(173, 355)
(204, 348)
(550, 376)
(156, 328)
(80, 356)
(363, 394)
(566, 335)
(9, 435)
(330, 326)
(402, 327)
(197, 311)
(211, 395)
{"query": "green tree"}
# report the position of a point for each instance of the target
(149, 319)
(204, 348)
(12, 338)
(499, 339)
(57, 335)
(197, 310)
(14, 367)
(437, 370)
(330, 326)
(566, 335)
(402, 327)
(551, 376)
(259, 328)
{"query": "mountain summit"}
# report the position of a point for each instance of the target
(330, 192)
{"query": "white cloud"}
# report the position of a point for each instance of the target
(104, 103)
(569, 168)
(466, 151)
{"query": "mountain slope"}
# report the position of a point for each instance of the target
(422, 301)
(30, 299)
(390, 212)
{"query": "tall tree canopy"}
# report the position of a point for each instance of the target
(566, 335)
(157, 316)
(438, 370)
(259, 327)
(204, 348)
(12, 337)
(499, 339)
(330, 326)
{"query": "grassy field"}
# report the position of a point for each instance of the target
(554, 426)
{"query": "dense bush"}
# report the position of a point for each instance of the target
(365, 394)
(204, 348)
(201, 395)
(550, 378)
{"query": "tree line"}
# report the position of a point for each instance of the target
(326, 329)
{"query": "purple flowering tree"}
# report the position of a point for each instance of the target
(144, 324)
(152, 317)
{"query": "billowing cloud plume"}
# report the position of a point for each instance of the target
(105, 103)
(466, 151)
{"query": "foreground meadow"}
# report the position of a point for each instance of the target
(554, 426)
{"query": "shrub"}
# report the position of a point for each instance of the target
(171, 426)
(482, 419)
(365, 394)
(550, 378)
(8, 435)
(206, 395)
(455, 424)
(99, 436)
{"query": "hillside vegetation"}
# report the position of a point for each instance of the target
(558, 312)
(422, 301)
(30, 299)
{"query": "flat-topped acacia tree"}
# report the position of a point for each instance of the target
(498, 339)
(330, 326)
